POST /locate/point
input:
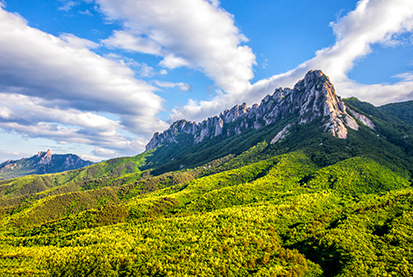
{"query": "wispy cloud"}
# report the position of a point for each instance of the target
(86, 12)
(68, 5)
(180, 85)
(7, 155)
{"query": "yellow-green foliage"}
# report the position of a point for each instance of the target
(286, 173)
(101, 174)
(231, 177)
(357, 175)
(289, 171)
(190, 191)
(304, 234)
(280, 216)
(170, 179)
(230, 242)
(57, 207)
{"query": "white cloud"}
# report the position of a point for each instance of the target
(170, 61)
(146, 70)
(68, 5)
(180, 85)
(193, 33)
(124, 40)
(86, 12)
(55, 87)
(407, 76)
(103, 152)
(7, 155)
(91, 158)
(373, 21)
(77, 42)
(142, 69)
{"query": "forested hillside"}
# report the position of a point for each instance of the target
(310, 204)
(282, 216)
(401, 110)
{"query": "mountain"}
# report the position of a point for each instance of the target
(401, 110)
(290, 119)
(42, 163)
(303, 184)
(311, 98)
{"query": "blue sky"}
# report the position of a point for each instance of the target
(98, 77)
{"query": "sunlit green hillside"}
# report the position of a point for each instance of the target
(310, 205)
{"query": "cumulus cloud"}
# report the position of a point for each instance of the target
(372, 22)
(35, 118)
(193, 33)
(55, 87)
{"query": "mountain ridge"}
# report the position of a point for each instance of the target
(312, 97)
(42, 163)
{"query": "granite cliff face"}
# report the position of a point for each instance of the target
(312, 97)
(42, 163)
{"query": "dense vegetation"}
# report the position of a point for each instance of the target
(401, 110)
(310, 205)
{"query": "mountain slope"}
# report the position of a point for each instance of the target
(305, 184)
(390, 128)
(289, 120)
(312, 119)
(42, 163)
(401, 110)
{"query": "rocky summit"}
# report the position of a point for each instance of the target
(311, 98)
(42, 163)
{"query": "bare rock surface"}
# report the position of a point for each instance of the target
(312, 97)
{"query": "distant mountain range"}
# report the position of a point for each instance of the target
(42, 163)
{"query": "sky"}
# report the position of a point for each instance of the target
(98, 77)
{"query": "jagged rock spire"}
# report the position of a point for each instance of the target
(312, 97)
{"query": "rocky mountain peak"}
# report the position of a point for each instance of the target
(43, 162)
(312, 97)
(45, 157)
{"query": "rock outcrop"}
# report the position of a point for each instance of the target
(364, 119)
(43, 162)
(312, 97)
(45, 157)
